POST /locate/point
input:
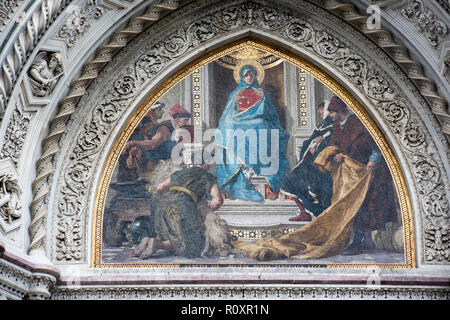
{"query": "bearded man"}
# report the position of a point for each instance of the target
(379, 206)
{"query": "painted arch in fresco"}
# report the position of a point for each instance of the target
(130, 211)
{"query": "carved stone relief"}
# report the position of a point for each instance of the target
(12, 281)
(246, 293)
(18, 283)
(147, 61)
(45, 72)
(425, 21)
(80, 20)
(10, 207)
(15, 134)
(6, 8)
(36, 25)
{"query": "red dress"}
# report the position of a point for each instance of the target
(247, 99)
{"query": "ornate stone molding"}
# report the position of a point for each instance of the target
(40, 286)
(15, 134)
(80, 21)
(355, 66)
(36, 25)
(13, 281)
(425, 21)
(19, 280)
(6, 9)
(239, 292)
(445, 4)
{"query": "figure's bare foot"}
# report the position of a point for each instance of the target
(140, 247)
(152, 247)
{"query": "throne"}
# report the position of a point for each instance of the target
(254, 220)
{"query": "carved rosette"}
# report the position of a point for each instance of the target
(425, 21)
(15, 135)
(212, 23)
(80, 21)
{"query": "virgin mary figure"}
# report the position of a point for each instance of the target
(249, 138)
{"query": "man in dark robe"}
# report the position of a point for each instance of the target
(129, 161)
(379, 207)
(310, 188)
(132, 159)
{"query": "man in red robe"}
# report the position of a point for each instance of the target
(379, 206)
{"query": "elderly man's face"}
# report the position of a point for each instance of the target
(334, 115)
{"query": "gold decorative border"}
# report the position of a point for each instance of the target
(266, 62)
(352, 103)
(255, 234)
(302, 98)
(196, 97)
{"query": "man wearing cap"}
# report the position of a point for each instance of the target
(306, 185)
(159, 145)
(353, 139)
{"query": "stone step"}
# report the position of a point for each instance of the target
(268, 207)
(254, 226)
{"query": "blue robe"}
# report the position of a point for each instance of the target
(232, 158)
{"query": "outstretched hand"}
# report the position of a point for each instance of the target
(371, 166)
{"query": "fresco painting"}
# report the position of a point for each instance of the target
(251, 160)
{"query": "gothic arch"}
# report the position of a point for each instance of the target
(89, 119)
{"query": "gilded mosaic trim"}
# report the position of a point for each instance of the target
(392, 163)
(302, 99)
(196, 97)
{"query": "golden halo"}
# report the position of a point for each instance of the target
(255, 64)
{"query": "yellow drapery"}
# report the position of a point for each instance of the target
(330, 232)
